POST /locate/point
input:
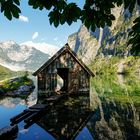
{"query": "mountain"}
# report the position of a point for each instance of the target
(23, 57)
(107, 41)
(43, 47)
(5, 72)
(85, 44)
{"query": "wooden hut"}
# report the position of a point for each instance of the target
(65, 64)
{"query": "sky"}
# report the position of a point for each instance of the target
(33, 25)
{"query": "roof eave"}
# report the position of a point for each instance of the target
(57, 55)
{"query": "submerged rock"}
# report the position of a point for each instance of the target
(8, 132)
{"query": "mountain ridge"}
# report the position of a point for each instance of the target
(23, 57)
(107, 41)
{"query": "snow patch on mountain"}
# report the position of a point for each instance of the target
(27, 56)
(43, 47)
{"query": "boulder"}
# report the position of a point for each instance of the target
(24, 88)
(8, 132)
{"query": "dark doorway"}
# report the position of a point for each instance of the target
(63, 73)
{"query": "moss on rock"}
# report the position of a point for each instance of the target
(19, 86)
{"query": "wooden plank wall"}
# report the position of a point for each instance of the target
(78, 78)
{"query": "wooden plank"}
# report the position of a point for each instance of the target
(39, 106)
(54, 98)
(19, 115)
(28, 112)
(39, 109)
(27, 125)
(34, 110)
(21, 118)
(30, 118)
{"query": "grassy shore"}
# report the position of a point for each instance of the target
(115, 65)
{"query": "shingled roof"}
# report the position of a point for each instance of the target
(73, 54)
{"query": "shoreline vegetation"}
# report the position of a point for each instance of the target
(116, 65)
(20, 86)
(117, 78)
(122, 88)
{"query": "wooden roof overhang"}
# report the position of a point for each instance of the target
(73, 54)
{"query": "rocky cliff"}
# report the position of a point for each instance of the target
(107, 41)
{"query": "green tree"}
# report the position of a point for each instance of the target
(95, 13)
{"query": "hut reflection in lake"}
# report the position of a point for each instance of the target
(66, 119)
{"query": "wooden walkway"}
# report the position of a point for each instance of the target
(32, 113)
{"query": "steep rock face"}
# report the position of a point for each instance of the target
(107, 41)
(23, 57)
(85, 44)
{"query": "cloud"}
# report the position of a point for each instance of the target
(43, 47)
(23, 18)
(23, 131)
(35, 35)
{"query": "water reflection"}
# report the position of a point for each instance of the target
(10, 102)
(67, 119)
(114, 100)
(117, 116)
(115, 121)
(10, 107)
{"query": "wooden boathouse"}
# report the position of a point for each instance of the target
(76, 80)
(75, 75)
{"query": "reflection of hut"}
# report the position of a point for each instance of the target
(66, 123)
(65, 64)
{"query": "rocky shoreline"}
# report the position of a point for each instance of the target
(9, 132)
(16, 87)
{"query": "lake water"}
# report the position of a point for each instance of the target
(114, 113)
